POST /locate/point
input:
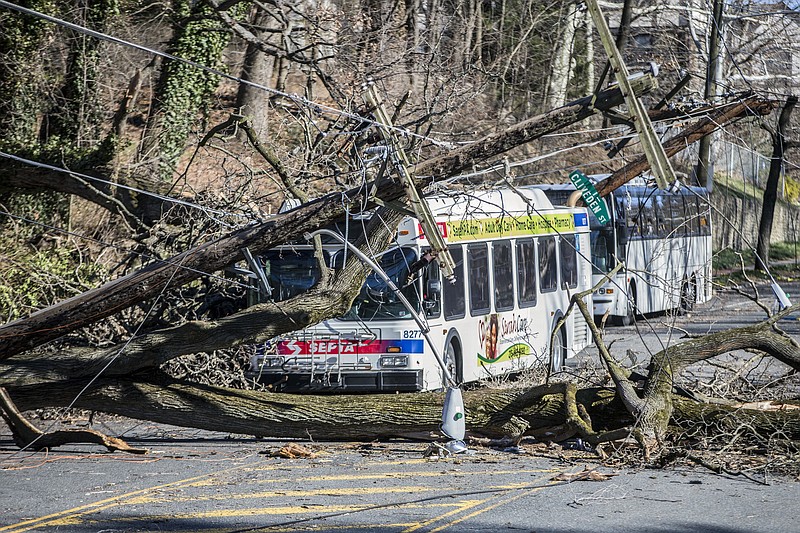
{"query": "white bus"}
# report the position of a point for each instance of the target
(664, 239)
(517, 259)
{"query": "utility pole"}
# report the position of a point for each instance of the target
(659, 163)
(418, 204)
(705, 171)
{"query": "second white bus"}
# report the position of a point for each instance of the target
(664, 239)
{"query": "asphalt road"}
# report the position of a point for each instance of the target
(199, 481)
(634, 345)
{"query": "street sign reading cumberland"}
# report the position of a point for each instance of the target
(593, 200)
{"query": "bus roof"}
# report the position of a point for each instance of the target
(635, 185)
(489, 203)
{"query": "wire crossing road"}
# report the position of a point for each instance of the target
(204, 482)
(339, 490)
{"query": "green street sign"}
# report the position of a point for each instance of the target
(590, 196)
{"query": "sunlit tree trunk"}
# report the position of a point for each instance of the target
(779, 145)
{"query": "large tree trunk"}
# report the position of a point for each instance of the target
(183, 90)
(773, 180)
(564, 60)
(258, 68)
(492, 413)
(550, 412)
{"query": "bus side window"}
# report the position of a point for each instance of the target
(704, 216)
(663, 224)
(526, 273)
(548, 274)
(648, 218)
(569, 261)
(478, 261)
(633, 218)
(502, 267)
(678, 215)
(690, 203)
(453, 293)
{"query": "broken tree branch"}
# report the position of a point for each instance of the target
(27, 436)
(752, 106)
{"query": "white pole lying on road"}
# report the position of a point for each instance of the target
(453, 419)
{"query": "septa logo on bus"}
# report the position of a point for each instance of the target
(356, 347)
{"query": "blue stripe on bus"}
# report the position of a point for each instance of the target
(581, 219)
(408, 345)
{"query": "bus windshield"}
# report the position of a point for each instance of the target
(377, 301)
(602, 239)
(602, 250)
(291, 272)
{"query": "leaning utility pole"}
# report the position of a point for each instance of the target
(659, 163)
(704, 172)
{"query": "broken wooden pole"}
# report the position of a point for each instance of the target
(752, 106)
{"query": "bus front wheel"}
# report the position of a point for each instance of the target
(558, 352)
(452, 360)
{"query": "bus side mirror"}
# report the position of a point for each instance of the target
(433, 292)
(433, 289)
(622, 233)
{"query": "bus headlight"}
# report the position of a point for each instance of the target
(394, 361)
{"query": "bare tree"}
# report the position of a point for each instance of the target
(776, 167)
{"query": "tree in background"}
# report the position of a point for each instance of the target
(780, 143)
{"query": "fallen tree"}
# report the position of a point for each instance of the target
(91, 306)
(554, 412)
(125, 380)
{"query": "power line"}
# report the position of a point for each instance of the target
(119, 185)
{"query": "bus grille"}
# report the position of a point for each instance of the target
(581, 332)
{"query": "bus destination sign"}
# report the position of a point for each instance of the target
(593, 200)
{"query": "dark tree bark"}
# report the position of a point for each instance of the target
(552, 412)
(779, 146)
(258, 68)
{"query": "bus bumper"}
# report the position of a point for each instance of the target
(601, 307)
(362, 381)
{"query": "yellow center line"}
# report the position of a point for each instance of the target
(504, 490)
(490, 507)
(467, 504)
(106, 503)
(237, 513)
(414, 473)
(353, 491)
(146, 495)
